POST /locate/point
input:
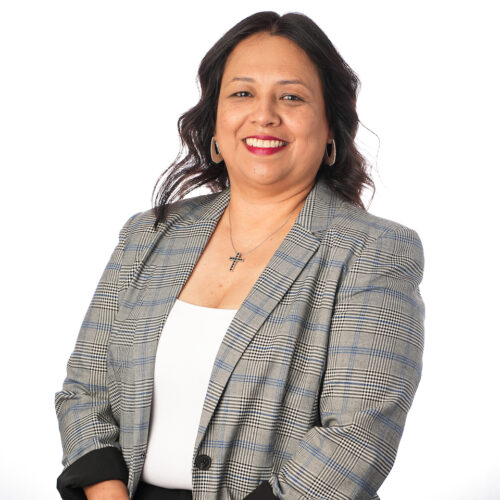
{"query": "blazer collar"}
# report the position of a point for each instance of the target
(315, 216)
(177, 247)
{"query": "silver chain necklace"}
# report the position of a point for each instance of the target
(238, 257)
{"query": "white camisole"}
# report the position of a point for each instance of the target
(186, 352)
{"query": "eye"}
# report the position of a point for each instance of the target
(292, 97)
(240, 92)
(295, 98)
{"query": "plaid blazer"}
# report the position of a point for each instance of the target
(315, 375)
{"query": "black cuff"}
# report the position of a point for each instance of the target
(263, 492)
(96, 466)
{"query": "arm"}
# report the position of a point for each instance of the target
(89, 433)
(372, 372)
(107, 490)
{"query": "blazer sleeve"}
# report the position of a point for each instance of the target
(89, 433)
(372, 372)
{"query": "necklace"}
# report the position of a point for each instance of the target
(238, 257)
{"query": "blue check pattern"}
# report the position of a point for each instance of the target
(315, 375)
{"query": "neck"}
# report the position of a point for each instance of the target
(253, 218)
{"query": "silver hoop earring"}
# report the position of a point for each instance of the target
(214, 151)
(330, 158)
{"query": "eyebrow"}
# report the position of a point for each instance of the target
(280, 82)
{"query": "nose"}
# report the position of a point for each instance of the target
(265, 112)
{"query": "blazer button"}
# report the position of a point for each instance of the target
(203, 462)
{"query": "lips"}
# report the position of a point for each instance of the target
(265, 138)
(260, 150)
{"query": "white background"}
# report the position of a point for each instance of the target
(90, 94)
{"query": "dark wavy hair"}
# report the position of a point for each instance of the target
(196, 127)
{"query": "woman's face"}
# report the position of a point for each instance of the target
(270, 87)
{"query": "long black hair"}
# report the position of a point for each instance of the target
(196, 127)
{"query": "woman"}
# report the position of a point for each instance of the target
(280, 323)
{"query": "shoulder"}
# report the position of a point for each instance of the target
(354, 227)
(143, 222)
(139, 235)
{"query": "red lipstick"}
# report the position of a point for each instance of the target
(264, 151)
(265, 138)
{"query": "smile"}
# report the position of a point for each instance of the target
(263, 147)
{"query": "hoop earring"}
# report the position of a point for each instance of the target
(214, 151)
(330, 158)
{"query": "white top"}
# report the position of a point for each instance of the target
(186, 352)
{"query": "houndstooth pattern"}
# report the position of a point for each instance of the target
(316, 373)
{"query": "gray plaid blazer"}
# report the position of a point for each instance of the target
(314, 377)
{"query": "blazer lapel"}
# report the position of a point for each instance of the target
(174, 254)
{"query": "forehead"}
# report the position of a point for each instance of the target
(263, 55)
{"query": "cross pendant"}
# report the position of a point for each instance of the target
(235, 260)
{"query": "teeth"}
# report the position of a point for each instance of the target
(259, 143)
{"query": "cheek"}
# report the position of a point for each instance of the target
(310, 132)
(228, 121)
(315, 131)
(306, 121)
(311, 138)
(229, 111)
